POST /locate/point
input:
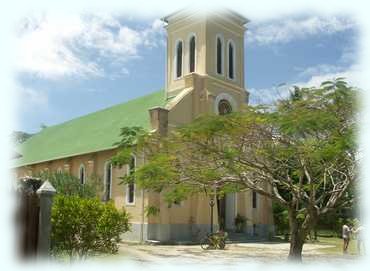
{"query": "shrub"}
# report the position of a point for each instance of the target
(281, 219)
(70, 185)
(84, 227)
(240, 222)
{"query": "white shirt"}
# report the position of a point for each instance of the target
(345, 232)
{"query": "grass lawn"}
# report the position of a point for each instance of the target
(337, 244)
(328, 238)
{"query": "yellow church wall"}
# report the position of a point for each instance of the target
(94, 165)
(181, 114)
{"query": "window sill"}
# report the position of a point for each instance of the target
(231, 79)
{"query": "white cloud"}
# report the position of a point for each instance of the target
(314, 77)
(283, 31)
(53, 47)
(351, 75)
(319, 70)
(31, 99)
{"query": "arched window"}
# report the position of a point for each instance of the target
(231, 60)
(107, 181)
(179, 59)
(224, 104)
(219, 55)
(224, 107)
(192, 54)
(254, 199)
(130, 189)
(82, 174)
(59, 170)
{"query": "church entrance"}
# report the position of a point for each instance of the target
(221, 210)
(226, 212)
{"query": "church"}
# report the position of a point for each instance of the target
(204, 75)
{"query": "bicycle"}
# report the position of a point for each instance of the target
(215, 240)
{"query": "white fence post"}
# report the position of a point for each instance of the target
(46, 193)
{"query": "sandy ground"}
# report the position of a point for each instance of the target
(233, 254)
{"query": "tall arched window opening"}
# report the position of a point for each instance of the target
(179, 59)
(82, 174)
(254, 199)
(231, 61)
(130, 192)
(108, 181)
(192, 54)
(219, 61)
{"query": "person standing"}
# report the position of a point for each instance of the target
(360, 239)
(346, 232)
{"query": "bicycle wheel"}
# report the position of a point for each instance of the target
(204, 243)
(221, 244)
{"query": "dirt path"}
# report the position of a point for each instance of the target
(233, 254)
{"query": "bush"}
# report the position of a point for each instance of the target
(240, 222)
(70, 185)
(281, 219)
(84, 227)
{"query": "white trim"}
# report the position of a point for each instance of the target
(227, 97)
(232, 43)
(191, 35)
(182, 59)
(82, 166)
(105, 178)
(220, 36)
(127, 186)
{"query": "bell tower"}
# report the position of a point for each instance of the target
(205, 64)
(210, 45)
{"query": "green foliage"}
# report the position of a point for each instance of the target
(19, 137)
(130, 137)
(151, 211)
(83, 227)
(281, 218)
(70, 185)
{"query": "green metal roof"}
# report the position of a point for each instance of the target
(90, 133)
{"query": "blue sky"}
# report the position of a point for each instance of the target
(71, 65)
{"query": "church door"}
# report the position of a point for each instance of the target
(221, 210)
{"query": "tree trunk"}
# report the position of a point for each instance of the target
(296, 246)
(297, 238)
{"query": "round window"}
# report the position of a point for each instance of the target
(224, 107)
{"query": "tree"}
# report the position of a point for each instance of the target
(69, 185)
(84, 227)
(300, 152)
(19, 137)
